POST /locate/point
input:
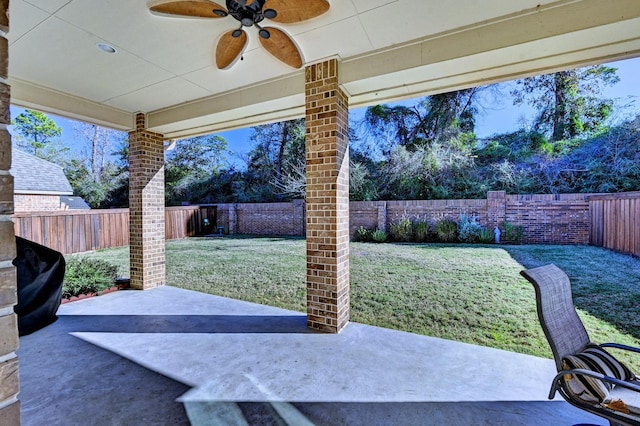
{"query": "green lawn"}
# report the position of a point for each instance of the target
(468, 293)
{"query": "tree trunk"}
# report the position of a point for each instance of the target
(560, 105)
(94, 152)
(283, 144)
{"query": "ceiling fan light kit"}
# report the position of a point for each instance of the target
(249, 13)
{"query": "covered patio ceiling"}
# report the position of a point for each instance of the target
(388, 50)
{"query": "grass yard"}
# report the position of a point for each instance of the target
(468, 293)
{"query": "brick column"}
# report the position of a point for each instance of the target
(233, 219)
(298, 214)
(496, 208)
(327, 147)
(382, 216)
(146, 206)
(9, 384)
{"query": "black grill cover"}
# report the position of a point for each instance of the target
(40, 272)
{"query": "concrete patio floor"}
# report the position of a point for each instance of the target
(173, 357)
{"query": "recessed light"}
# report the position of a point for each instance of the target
(107, 48)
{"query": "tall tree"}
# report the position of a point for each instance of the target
(278, 154)
(99, 144)
(199, 156)
(436, 118)
(37, 133)
(568, 103)
(190, 162)
(96, 177)
(119, 194)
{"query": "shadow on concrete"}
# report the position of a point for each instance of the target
(494, 413)
(229, 324)
(66, 381)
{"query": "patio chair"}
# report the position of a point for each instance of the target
(589, 377)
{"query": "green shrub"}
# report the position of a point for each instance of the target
(421, 231)
(512, 233)
(402, 231)
(363, 235)
(469, 229)
(379, 236)
(486, 236)
(85, 275)
(447, 231)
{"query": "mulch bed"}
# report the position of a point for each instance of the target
(121, 284)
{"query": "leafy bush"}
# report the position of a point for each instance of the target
(402, 231)
(379, 236)
(85, 275)
(469, 229)
(421, 231)
(363, 235)
(486, 236)
(512, 233)
(447, 230)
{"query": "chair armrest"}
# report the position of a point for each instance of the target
(557, 380)
(620, 346)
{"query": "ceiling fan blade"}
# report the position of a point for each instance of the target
(290, 11)
(280, 45)
(230, 48)
(192, 8)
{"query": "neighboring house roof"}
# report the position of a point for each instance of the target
(33, 175)
(74, 203)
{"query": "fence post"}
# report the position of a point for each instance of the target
(233, 218)
(496, 208)
(382, 216)
(298, 213)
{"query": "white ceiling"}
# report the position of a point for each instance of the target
(389, 50)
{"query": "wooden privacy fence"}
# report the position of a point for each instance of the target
(615, 222)
(86, 230)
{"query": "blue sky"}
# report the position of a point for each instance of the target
(496, 117)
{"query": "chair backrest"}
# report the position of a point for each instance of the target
(558, 317)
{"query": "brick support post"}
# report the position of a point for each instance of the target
(382, 216)
(233, 219)
(327, 198)
(9, 384)
(496, 208)
(146, 206)
(298, 214)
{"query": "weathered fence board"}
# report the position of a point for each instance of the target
(86, 230)
(615, 222)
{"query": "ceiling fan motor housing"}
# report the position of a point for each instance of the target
(248, 14)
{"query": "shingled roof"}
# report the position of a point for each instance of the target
(33, 175)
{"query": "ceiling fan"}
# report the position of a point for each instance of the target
(249, 13)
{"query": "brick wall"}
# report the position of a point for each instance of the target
(545, 218)
(366, 214)
(432, 210)
(549, 218)
(146, 207)
(9, 384)
(36, 203)
(263, 218)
